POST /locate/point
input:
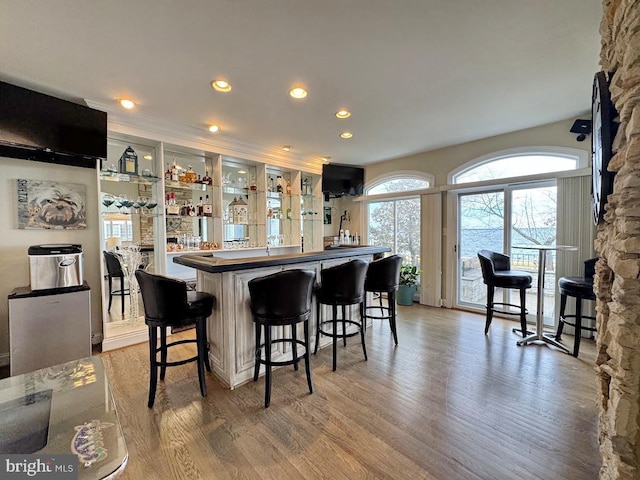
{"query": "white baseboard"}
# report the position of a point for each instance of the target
(125, 340)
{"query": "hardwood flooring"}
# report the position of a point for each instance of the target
(447, 403)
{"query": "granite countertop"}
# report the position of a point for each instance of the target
(208, 262)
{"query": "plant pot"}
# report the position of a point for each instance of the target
(405, 294)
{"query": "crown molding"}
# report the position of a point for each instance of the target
(175, 133)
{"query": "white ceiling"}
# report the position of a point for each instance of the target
(417, 74)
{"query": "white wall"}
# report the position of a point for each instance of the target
(14, 261)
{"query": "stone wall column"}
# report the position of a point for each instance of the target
(617, 282)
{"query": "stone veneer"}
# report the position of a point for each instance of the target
(617, 283)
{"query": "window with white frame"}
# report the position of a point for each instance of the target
(394, 220)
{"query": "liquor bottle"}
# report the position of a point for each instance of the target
(207, 180)
(200, 208)
(172, 207)
(288, 213)
(129, 162)
(174, 171)
(190, 175)
(288, 187)
(191, 209)
(279, 184)
(207, 208)
(269, 210)
(167, 174)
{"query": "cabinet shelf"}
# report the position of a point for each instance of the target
(171, 215)
(238, 191)
(201, 187)
(123, 177)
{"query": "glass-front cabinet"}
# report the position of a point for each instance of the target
(190, 203)
(130, 219)
(311, 212)
(159, 200)
(282, 208)
(242, 193)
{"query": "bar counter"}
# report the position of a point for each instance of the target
(230, 328)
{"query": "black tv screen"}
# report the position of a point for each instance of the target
(339, 180)
(40, 127)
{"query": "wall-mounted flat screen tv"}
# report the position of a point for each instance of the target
(339, 180)
(40, 127)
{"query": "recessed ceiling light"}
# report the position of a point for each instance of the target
(343, 114)
(148, 157)
(346, 135)
(298, 92)
(126, 103)
(242, 172)
(221, 85)
(214, 128)
(286, 148)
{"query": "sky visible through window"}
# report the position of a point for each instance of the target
(516, 166)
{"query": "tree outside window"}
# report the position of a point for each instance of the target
(395, 223)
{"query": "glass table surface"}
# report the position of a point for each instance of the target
(64, 409)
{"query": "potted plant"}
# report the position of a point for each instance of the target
(409, 275)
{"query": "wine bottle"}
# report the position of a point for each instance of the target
(200, 208)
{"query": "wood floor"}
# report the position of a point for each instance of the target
(447, 403)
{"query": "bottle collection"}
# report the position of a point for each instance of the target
(178, 174)
(204, 208)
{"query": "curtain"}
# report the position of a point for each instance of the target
(575, 227)
(431, 248)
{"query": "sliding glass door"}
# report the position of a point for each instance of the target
(500, 221)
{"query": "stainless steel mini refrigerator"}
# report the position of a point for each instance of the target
(48, 327)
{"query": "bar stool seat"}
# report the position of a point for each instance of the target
(168, 303)
(581, 288)
(281, 299)
(383, 276)
(341, 285)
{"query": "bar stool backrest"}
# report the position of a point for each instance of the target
(492, 262)
(114, 268)
(345, 282)
(383, 275)
(282, 296)
(164, 298)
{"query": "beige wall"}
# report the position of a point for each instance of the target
(14, 261)
(440, 162)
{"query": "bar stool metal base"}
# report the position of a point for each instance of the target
(333, 333)
(268, 363)
(386, 312)
(201, 357)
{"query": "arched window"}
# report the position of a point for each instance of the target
(395, 222)
(399, 182)
(519, 162)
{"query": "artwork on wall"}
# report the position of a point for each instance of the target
(51, 205)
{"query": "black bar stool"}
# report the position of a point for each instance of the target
(581, 288)
(114, 270)
(168, 303)
(496, 272)
(281, 299)
(341, 285)
(383, 276)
